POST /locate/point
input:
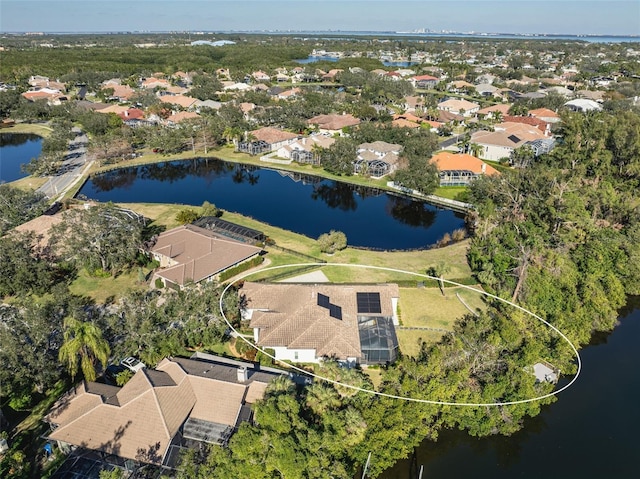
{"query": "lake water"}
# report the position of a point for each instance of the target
(304, 204)
(312, 59)
(590, 432)
(17, 149)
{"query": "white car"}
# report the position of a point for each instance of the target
(132, 364)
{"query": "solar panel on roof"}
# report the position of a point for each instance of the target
(323, 300)
(514, 138)
(368, 303)
(335, 311)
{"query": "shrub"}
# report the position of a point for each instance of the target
(209, 209)
(255, 261)
(332, 241)
(20, 402)
(159, 283)
(187, 215)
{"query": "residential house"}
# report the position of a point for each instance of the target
(460, 86)
(541, 125)
(308, 322)
(377, 159)
(307, 149)
(583, 105)
(121, 93)
(411, 103)
(545, 114)
(459, 107)
(333, 123)
(331, 75)
(428, 82)
(494, 111)
(192, 253)
(505, 139)
(274, 137)
(260, 76)
(153, 82)
(181, 403)
(460, 169)
(180, 116)
(486, 90)
(53, 97)
(182, 101)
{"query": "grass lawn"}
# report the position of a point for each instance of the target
(32, 128)
(426, 307)
(29, 183)
(100, 289)
(375, 374)
(410, 341)
(451, 192)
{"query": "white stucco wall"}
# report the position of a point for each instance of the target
(296, 355)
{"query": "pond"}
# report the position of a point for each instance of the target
(305, 204)
(591, 431)
(17, 149)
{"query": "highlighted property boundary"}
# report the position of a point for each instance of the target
(393, 396)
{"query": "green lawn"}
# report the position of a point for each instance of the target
(427, 307)
(100, 289)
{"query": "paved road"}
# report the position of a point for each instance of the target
(71, 169)
(451, 141)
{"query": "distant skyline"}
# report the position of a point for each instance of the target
(574, 17)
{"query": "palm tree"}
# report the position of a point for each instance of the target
(83, 343)
(321, 398)
(475, 149)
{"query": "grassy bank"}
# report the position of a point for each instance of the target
(31, 128)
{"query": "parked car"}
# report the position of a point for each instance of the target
(132, 364)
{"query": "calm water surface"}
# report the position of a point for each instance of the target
(17, 149)
(590, 432)
(300, 203)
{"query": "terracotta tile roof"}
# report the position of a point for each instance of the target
(502, 108)
(334, 121)
(197, 253)
(543, 113)
(180, 100)
(446, 161)
(541, 125)
(402, 123)
(132, 114)
(40, 226)
(117, 109)
(424, 78)
(510, 135)
(457, 105)
(273, 135)
(182, 115)
(288, 315)
(121, 91)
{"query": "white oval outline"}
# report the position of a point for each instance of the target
(393, 396)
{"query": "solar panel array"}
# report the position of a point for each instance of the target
(335, 311)
(368, 303)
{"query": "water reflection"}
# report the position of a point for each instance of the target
(16, 139)
(298, 202)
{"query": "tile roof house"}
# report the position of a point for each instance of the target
(274, 137)
(191, 253)
(545, 114)
(333, 123)
(459, 169)
(305, 150)
(153, 82)
(308, 322)
(459, 107)
(505, 139)
(424, 81)
(181, 116)
(180, 100)
(377, 159)
(490, 111)
(158, 411)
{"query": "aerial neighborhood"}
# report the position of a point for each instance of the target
(147, 332)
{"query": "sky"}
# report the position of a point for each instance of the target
(599, 17)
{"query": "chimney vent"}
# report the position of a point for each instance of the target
(243, 375)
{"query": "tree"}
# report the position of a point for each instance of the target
(439, 270)
(205, 87)
(420, 175)
(332, 241)
(83, 344)
(339, 157)
(18, 206)
(24, 268)
(102, 237)
(187, 215)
